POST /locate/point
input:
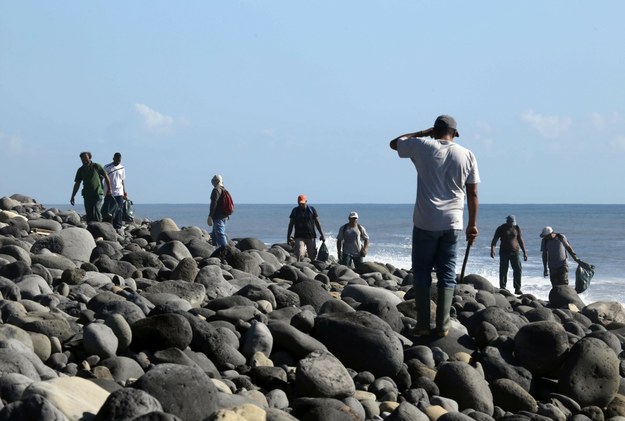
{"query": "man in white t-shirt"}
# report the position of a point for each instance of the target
(445, 171)
(117, 175)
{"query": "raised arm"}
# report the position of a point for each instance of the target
(422, 133)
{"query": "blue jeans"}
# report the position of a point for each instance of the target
(434, 249)
(119, 214)
(219, 232)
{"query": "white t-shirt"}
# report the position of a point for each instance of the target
(443, 168)
(117, 174)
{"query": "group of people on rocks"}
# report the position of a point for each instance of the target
(99, 182)
(447, 173)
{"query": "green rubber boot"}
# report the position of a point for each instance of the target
(422, 304)
(443, 320)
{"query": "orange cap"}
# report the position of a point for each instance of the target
(301, 198)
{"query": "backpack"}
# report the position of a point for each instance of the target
(226, 204)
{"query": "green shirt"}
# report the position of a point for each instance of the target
(91, 176)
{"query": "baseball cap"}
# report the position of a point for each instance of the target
(353, 215)
(512, 219)
(302, 198)
(546, 231)
(446, 122)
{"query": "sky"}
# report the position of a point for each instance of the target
(288, 97)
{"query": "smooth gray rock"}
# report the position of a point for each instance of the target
(182, 391)
(540, 346)
(590, 373)
(362, 341)
(127, 403)
(464, 384)
(321, 374)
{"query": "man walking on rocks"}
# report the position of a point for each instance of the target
(352, 242)
(304, 219)
(554, 247)
(91, 175)
(117, 175)
(446, 173)
(511, 242)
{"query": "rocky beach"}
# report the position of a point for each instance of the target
(152, 322)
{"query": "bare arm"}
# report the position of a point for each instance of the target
(472, 203)
(493, 243)
(289, 230)
(422, 133)
(109, 192)
(318, 224)
(74, 191)
(522, 243)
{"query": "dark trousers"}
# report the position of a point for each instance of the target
(514, 260)
(93, 208)
(559, 276)
(119, 214)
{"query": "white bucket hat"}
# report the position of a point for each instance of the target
(546, 231)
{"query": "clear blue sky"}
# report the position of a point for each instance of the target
(290, 97)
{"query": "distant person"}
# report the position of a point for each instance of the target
(117, 175)
(91, 174)
(304, 219)
(352, 242)
(554, 247)
(509, 252)
(216, 217)
(445, 170)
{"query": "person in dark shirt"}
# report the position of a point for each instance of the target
(91, 174)
(509, 252)
(304, 219)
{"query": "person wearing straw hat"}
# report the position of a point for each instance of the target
(554, 247)
(509, 252)
(352, 242)
(447, 172)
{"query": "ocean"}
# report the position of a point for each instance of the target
(596, 233)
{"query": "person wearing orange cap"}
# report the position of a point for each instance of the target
(304, 219)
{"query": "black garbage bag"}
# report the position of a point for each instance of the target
(323, 254)
(583, 275)
(109, 208)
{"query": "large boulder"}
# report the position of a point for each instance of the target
(74, 243)
(76, 397)
(161, 331)
(563, 295)
(182, 390)
(605, 312)
(590, 374)
(365, 294)
(541, 346)
(126, 404)
(464, 384)
(362, 341)
(321, 374)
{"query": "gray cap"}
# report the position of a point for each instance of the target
(446, 122)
